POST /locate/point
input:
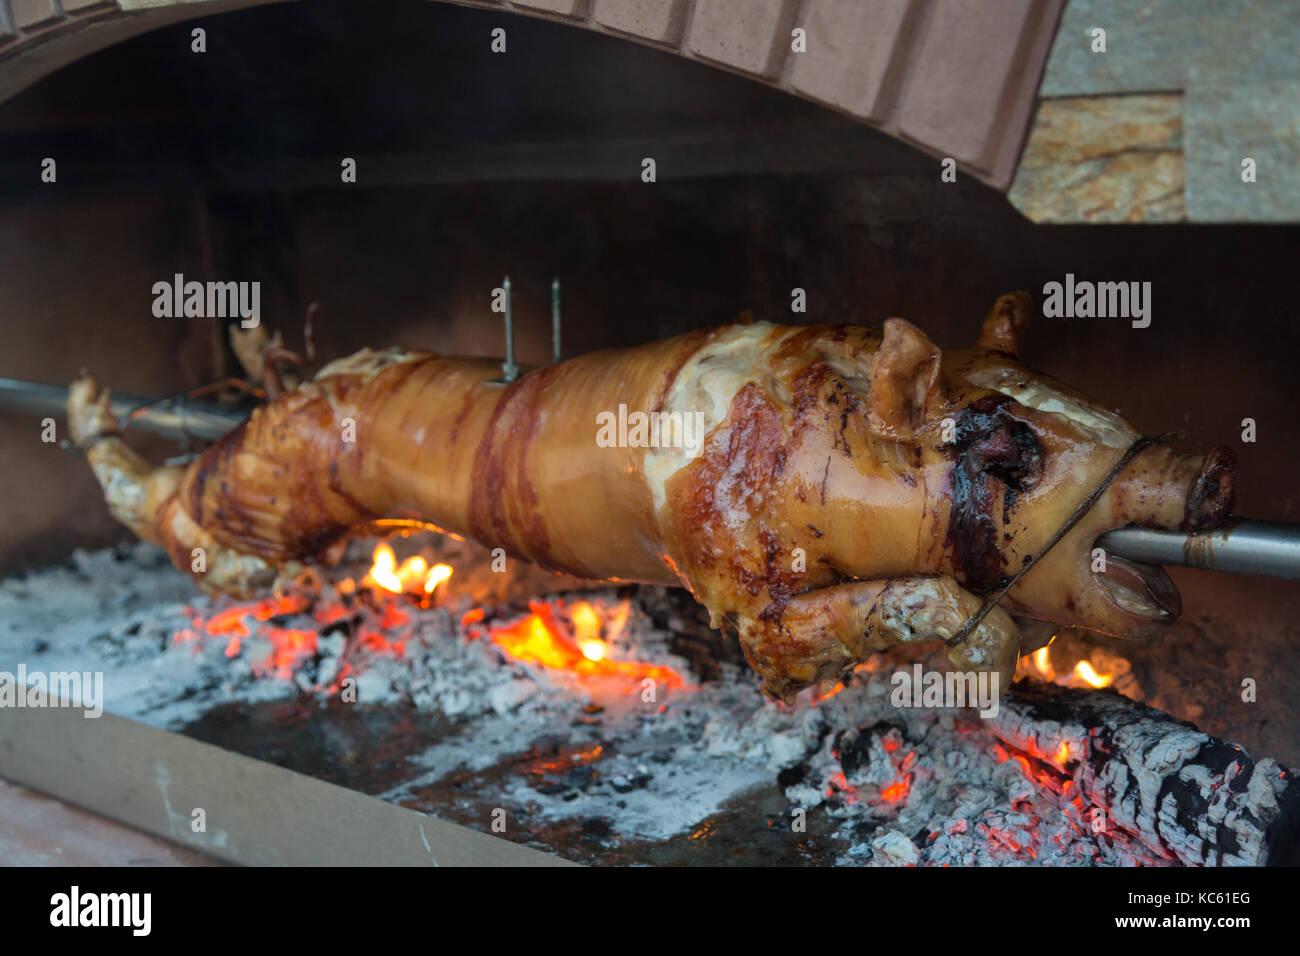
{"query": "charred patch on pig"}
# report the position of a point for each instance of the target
(993, 452)
(1210, 502)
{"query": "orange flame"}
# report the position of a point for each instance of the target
(437, 574)
(586, 631)
(1043, 661)
(538, 639)
(383, 572)
(1085, 671)
(413, 576)
(1039, 664)
(582, 642)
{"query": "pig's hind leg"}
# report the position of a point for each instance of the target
(821, 634)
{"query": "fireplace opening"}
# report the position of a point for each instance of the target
(382, 169)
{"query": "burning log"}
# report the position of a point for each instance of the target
(1185, 795)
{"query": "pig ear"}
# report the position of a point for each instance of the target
(903, 373)
(1004, 323)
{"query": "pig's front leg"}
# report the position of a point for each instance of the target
(821, 634)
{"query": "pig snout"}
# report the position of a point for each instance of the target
(1210, 501)
(1080, 586)
(1161, 489)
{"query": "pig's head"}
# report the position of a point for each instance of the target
(1020, 452)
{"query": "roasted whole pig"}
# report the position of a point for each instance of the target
(831, 490)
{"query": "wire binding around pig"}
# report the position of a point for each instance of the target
(853, 489)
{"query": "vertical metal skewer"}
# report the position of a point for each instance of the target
(556, 351)
(509, 370)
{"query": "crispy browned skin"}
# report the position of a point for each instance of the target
(854, 490)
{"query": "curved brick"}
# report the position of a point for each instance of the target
(851, 46)
(655, 21)
(752, 36)
(560, 8)
(33, 13)
(953, 77)
(971, 74)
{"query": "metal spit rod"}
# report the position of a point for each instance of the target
(509, 370)
(556, 350)
(173, 418)
(1241, 546)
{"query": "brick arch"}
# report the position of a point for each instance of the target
(954, 78)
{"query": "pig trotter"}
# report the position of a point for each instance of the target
(145, 499)
(822, 634)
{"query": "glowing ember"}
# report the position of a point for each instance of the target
(231, 620)
(291, 647)
(826, 691)
(375, 614)
(895, 792)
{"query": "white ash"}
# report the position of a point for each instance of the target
(918, 786)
